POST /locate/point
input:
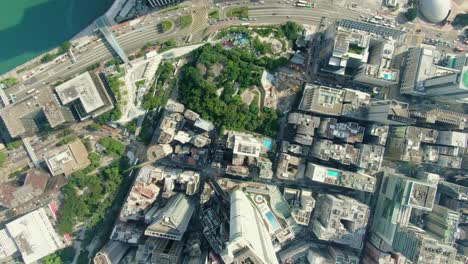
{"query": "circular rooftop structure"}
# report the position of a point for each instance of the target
(435, 11)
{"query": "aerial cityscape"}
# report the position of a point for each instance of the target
(244, 132)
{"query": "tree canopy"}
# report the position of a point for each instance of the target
(113, 147)
(411, 14)
(461, 20)
(241, 70)
(291, 30)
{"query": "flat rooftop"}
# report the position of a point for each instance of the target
(82, 88)
(19, 117)
(69, 159)
(34, 236)
(34, 185)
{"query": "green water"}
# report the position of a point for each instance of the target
(31, 27)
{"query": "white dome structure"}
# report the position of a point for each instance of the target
(435, 11)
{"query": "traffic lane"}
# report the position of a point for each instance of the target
(100, 51)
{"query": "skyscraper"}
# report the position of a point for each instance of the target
(398, 196)
(249, 240)
(172, 221)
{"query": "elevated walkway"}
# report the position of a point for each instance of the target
(103, 26)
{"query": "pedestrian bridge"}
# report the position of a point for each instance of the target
(103, 26)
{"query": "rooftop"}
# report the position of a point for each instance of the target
(326, 150)
(340, 219)
(22, 117)
(35, 236)
(333, 176)
(84, 89)
(349, 132)
(334, 102)
(69, 159)
(370, 157)
(440, 116)
(142, 195)
(172, 221)
(290, 167)
(34, 185)
(7, 245)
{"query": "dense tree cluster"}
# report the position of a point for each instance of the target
(167, 45)
(241, 70)
(115, 83)
(461, 20)
(411, 14)
(88, 196)
(291, 30)
(154, 97)
(9, 81)
(261, 47)
(63, 48)
(113, 147)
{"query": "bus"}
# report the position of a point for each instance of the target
(302, 2)
(300, 5)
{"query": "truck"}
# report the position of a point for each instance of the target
(300, 5)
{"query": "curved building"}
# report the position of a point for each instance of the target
(435, 11)
(249, 239)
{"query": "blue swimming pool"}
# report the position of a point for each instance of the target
(272, 219)
(388, 76)
(268, 144)
(333, 173)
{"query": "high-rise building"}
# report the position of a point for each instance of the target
(249, 239)
(450, 86)
(362, 49)
(442, 223)
(398, 196)
(340, 219)
(440, 117)
(331, 255)
(159, 251)
(111, 253)
(424, 145)
(333, 102)
(422, 248)
(421, 76)
(347, 179)
(172, 221)
(302, 203)
(388, 112)
(305, 127)
(452, 195)
(418, 67)
(378, 71)
(372, 255)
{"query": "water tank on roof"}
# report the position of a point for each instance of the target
(435, 11)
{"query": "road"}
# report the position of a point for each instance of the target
(131, 38)
(134, 38)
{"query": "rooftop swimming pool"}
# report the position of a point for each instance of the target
(272, 220)
(388, 76)
(268, 144)
(333, 173)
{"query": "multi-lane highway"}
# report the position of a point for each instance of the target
(141, 33)
(134, 37)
